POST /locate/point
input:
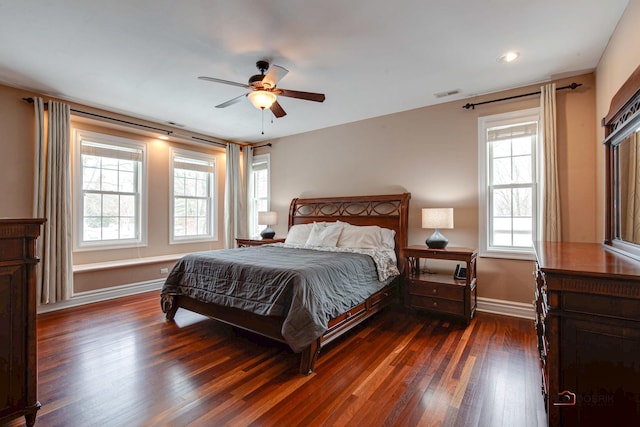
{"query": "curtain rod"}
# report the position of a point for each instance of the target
(125, 122)
(268, 144)
(572, 86)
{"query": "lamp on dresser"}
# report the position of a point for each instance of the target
(267, 218)
(437, 218)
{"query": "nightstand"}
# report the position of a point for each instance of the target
(256, 242)
(440, 292)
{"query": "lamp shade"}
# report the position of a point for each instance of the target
(437, 218)
(267, 218)
(262, 99)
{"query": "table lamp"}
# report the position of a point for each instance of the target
(268, 218)
(437, 218)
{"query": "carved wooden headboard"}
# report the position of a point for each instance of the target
(388, 211)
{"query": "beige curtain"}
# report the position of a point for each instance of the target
(235, 205)
(632, 220)
(52, 201)
(551, 223)
(247, 161)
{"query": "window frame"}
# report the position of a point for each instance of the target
(484, 173)
(79, 244)
(213, 196)
(253, 212)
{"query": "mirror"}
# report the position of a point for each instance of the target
(628, 155)
(622, 142)
(628, 194)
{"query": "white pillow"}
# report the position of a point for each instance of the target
(388, 238)
(353, 236)
(298, 234)
(324, 234)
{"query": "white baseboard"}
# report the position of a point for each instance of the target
(506, 308)
(98, 295)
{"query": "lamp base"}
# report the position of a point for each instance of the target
(437, 240)
(267, 233)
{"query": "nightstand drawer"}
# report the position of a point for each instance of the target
(436, 290)
(437, 304)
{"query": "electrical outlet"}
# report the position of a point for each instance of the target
(164, 271)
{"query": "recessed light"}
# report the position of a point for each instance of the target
(509, 57)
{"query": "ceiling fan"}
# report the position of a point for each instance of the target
(264, 91)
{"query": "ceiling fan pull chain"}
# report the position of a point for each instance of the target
(262, 121)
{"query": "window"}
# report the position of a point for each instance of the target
(508, 168)
(258, 191)
(110, 191)
(193, 183)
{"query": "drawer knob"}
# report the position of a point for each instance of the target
(435, 304)
(435, 292)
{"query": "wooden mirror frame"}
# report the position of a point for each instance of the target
(621, 120)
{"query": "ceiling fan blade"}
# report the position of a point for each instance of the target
(277, 110)
(227, 82)
(231, 101)
(273, 76)
(309, 96)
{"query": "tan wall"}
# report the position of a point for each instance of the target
(16, 154)
(92, 280)
(16, 186)
(620, 59)
(432, 152)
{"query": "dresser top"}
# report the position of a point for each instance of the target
(585, 259)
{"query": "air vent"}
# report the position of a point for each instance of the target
(178, 125)
(446, 93)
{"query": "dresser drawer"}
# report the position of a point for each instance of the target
(436, 290)
(437, 304)
(601, 305)
(12, 249)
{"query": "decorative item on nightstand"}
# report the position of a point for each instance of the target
(437, 218)
(267, 218)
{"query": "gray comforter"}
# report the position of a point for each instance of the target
(307, 287)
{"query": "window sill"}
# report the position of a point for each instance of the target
(205, 239)
(80, 268)
(520, 256)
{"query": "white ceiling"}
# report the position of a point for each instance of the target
(370, 57)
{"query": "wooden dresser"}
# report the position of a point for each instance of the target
(18, 363)
(588, 327)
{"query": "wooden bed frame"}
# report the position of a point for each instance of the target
(388, 211)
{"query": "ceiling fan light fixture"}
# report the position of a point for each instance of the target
(262, 99)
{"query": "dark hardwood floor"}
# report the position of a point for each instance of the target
(119, 363)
